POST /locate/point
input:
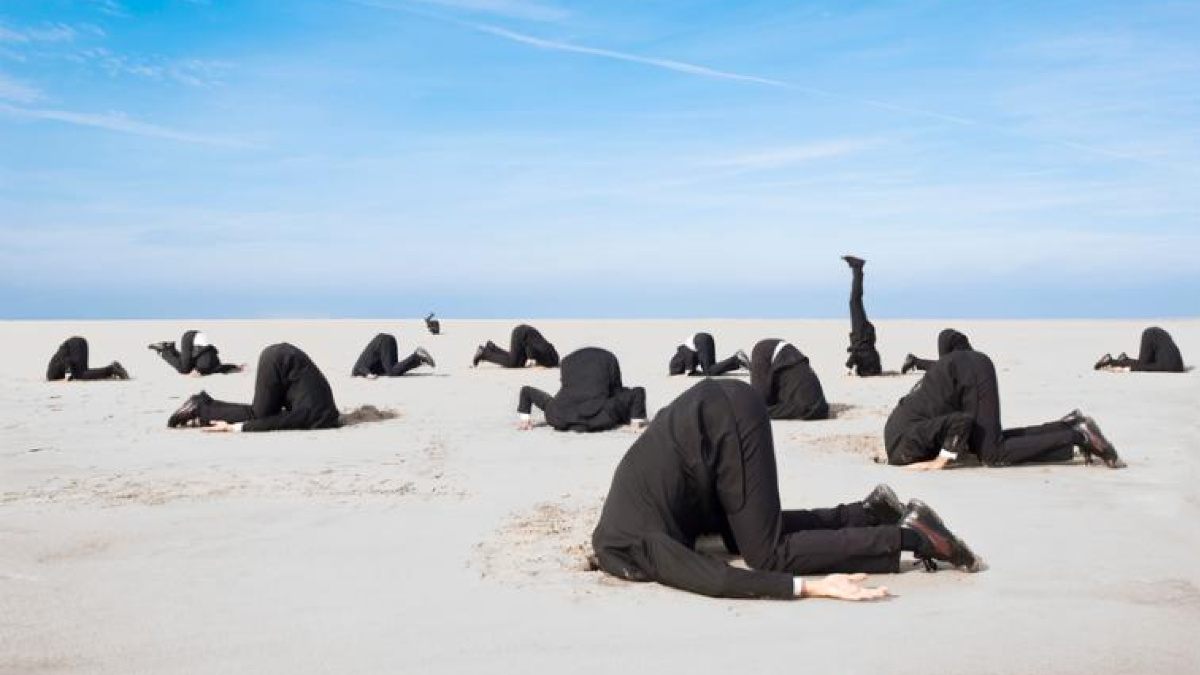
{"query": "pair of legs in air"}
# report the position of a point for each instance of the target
(592, 396)
(290, 392)
(864, 359)
(527, 347)
(955, 410)
(949, 340)
(697, 356)
(70, 362)
(706, 465)
(380, 358)
(1158, 354)
(194, 356)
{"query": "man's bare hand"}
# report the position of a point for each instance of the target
(843, 587)
(218, 427)
(931, 465)
(524, 425)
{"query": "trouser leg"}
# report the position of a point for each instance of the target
(836, 518)
(270, 389)
(401, 367)
(78, 360)
(758, 527)
(173, 359)
(923, 364)
(1054, 441)
(721, 367)
(921, 441)
(493, 354)
(223, 411)
(388, 353)
(531, 396)
(858, 312)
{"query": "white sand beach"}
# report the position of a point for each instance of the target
(446, 541)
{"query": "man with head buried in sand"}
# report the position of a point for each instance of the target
(592, 397)
(955, 410)
(706, 465)
(290, 392)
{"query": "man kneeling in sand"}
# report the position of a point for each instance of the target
(782, 375)
(379, 357)
(955, 409)
(526, 347)
(592, 397)
(706, 465)
(698, 356)
(70, 362)
(1158, 354)
(289, 393)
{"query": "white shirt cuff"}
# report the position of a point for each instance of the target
(238, 426)
(524, 417)
(798, 586)
(946, 454)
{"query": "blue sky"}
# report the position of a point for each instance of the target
(529, 158)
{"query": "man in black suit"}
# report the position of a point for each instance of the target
(1158, 354)
(195, 356)
(70, 362)
(698, 356)
(592, 397)
(706, 465)
(949, 340)
(864, 360)
(380, 357)
(788, 384)
(290, 392)
(527, 347)
(955, 409)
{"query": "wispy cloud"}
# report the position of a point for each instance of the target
(191, 72)
(777, 158)
(110, 7)
(667, 64)
(55, 32)
(119, 123)
(512, 9)
(12, 89)
(909, 111)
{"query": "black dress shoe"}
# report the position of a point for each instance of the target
(743, 359)
(1104, 362)
(1096, 445)
(853, 261)
(910, 362)
(160, 347)
(189, 411)
(883, 505)
(425, 357)
(1073, 418)
(943, 544)
(119, 371)
(478, 356)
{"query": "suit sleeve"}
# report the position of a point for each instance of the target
(678, 566)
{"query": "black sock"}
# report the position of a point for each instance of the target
(911, 540)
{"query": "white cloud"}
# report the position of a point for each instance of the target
(667, 64)
(780, 157)
(12, 89)
(512, 9)
(120, 123)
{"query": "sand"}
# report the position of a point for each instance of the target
(445, 540)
